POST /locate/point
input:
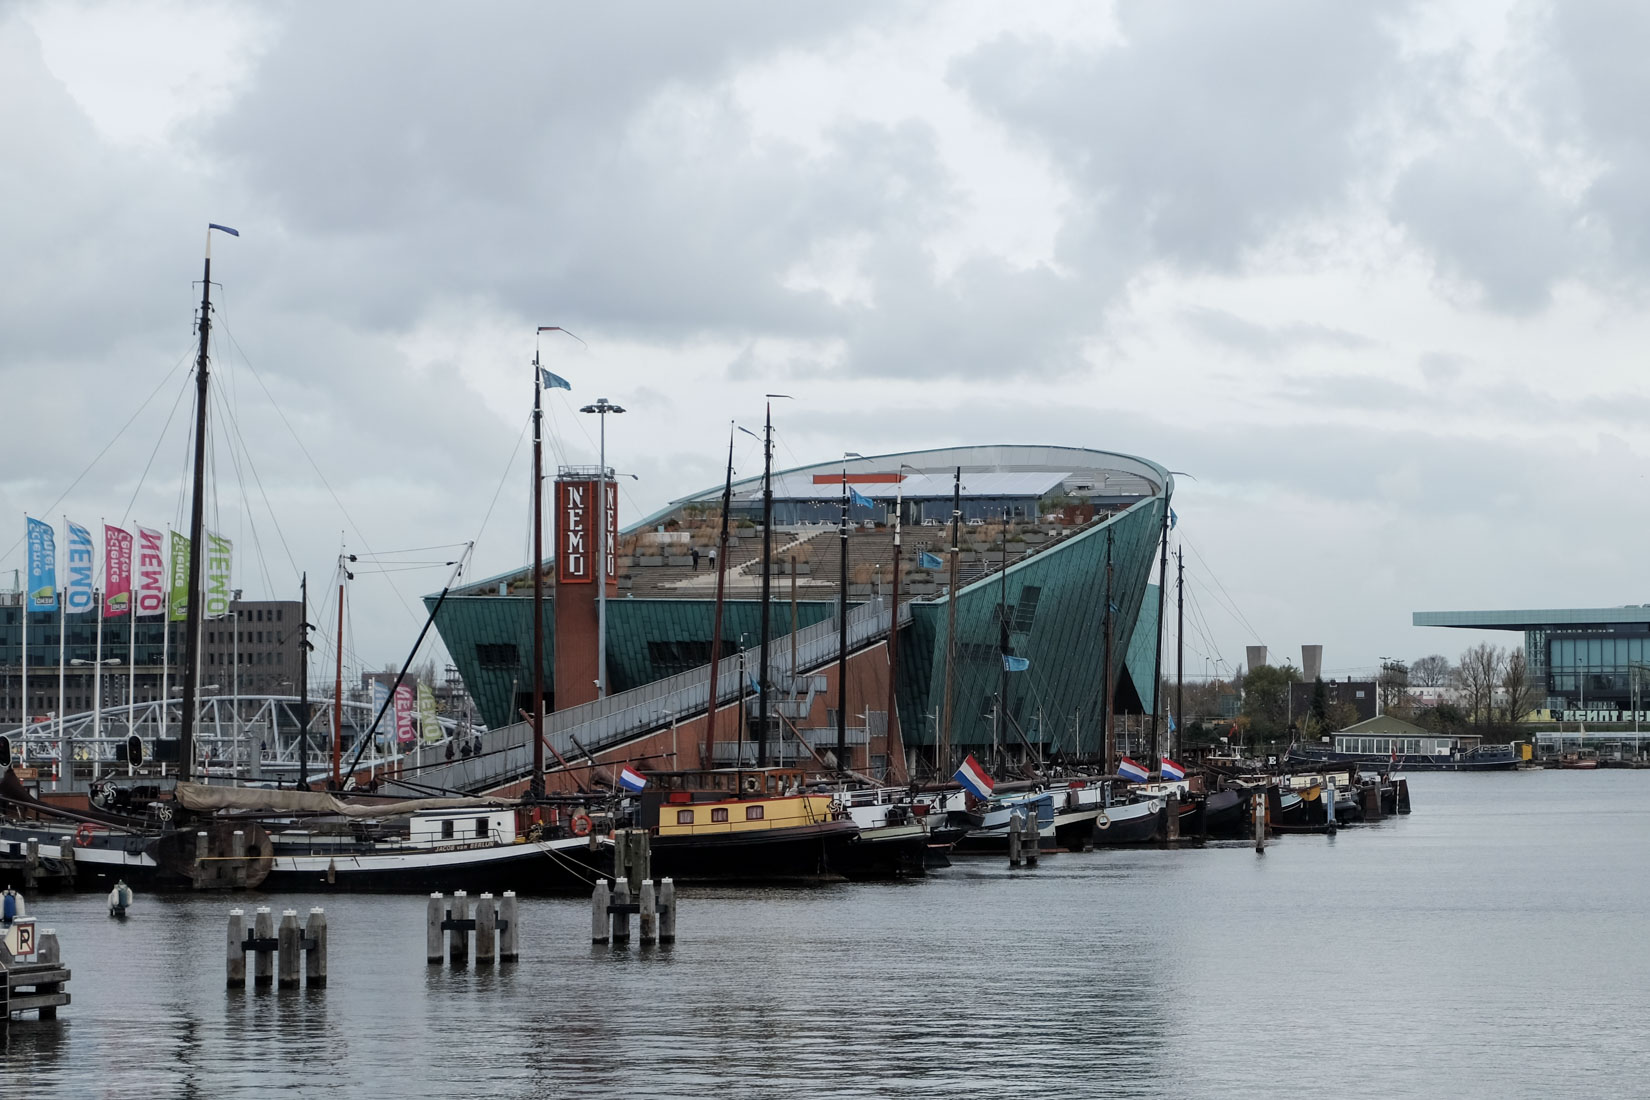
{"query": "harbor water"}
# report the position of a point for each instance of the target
(1493, 943)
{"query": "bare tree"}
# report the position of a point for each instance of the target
(1432, 670)
(1518, 686)
(1394, 679)
(1479, 673)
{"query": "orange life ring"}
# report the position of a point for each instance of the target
(580, 824)
(83, 835)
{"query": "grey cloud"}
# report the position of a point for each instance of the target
(1269, 341)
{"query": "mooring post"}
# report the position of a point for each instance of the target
(598, 912)
(667, 910)
(263, 963)
(641, 859)
(1171, 829)
(1031, 846)
(486, 930)
(31, 862)
(621, 911)
(649, 914)
(507, 927)
(287, 968)
(47, 952)
(1258, 812)
(432, 929)
(236, 957)
(65, 855)
(315, 949)
(458, 937)
(1329, 803)
(237, 863)
(1014, 840)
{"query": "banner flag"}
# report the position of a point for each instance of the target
(1015, 664)
(552, 381)
(42, 566)
(218, 553)
(77, 593)
(406, 714)
(859, 499)
(428, 725)
(117, 571)
(925, 560)
(179, 603)
(380, 695)
(151, 573)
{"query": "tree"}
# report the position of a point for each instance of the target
(1266, 698)
(1430, 671)
(1479, 673)
(1518, 687)
(1394, 679)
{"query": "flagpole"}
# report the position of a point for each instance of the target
(62, 678)
(165, 654)
(27, 597)
(97, 674)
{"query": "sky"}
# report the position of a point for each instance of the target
(1372, 276)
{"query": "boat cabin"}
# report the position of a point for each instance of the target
(477, 825)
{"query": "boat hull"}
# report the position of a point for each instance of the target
(890, 851)
(528, 868)
(1129, 823)
(796, 853)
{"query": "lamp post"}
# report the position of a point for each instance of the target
(601, 408)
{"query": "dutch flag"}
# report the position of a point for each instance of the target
(1128, 769)
(973, 777)
(1173, 772)
(631, 779)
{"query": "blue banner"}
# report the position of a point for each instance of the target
(42, 566)
(77, 592)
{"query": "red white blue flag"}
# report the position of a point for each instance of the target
(1173, 772)
(1128, 769)
(631, 779)
(973, 777)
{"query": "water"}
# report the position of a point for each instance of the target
(1490, 944)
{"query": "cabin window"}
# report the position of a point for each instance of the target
(684, 817)
(753, 813)
(719, 814)
(481, 826)
(447, 830)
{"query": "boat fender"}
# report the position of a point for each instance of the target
(83, 835)
(751, 784)
(1102, 821)
(836, 805)
(580, 824)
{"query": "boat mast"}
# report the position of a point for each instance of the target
(193, 609)
(892, 736)
(1001, 717)
(709, 750)
(942, 756)
(767, 581)
(535, 785)
(303, 684)
(1180, 640)
(338, 687)
(1157, 654)
(1106, 676)
(841, 634)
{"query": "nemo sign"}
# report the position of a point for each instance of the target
(576, 532)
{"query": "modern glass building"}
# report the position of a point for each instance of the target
(1583, 660)
(1047, 534)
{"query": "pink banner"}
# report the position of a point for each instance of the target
(151, 573)
(117, 558)
(406, 714)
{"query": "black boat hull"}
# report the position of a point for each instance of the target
(801, 853)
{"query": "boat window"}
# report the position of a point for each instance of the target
(753, 813)
(447, 829)
(684, 817)
(481, 826)
(719, 814)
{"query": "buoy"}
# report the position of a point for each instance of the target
(120, 899)
(11, 906)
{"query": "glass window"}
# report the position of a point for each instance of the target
(684, 817)
(753, 813)
(447, 830)
(481, 822)
(720, 814)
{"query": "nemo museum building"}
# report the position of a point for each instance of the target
(1052, 623)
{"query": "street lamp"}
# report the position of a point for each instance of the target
(601, 408)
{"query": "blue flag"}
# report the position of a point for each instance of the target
(858, 499)
(1173, 519)
(77, 593)
(926, 560)
(225, 228)
(553, 381)
(42, 566)
(1015, 664)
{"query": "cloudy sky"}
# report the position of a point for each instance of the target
(1373, 274)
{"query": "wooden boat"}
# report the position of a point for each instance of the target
(893, 839)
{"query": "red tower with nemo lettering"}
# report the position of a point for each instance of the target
(577, 536)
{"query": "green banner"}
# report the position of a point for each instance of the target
(179, 604)
(218, 553)
(427, 724)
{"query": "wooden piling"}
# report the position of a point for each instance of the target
(315, 953)
(1402, 803)
(237, 854)
(263, 963)
(507, 927)
(1014, 859)
(1329, 795)
(667, 911)
(486, 930)
(65, 855)
(621, 914)
(1031, 843)
(432, 929)
(1258, 814)
(1171, 824)
(598, 912)
(288, 951)
(649, 914)
(458, 937)
(236, 956)
(31, 862)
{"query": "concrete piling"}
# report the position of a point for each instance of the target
(1258, 815)
(458, 934)
(237, 853)
(263, 930)
(237, 949)
(667, 911)
(1329, 795)
(287, 952)
(621, 911)
(315, 949)
(432, 929)
(649, 915)
(486, 930)
(507, 927)
(598, 913)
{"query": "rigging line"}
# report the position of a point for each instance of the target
(1221, 604)
(419, 549)
(274, 520)
(159, 441)
(1222, 587)
(508, 466)
(237, 452)
(1200, 622)
(259, 378)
